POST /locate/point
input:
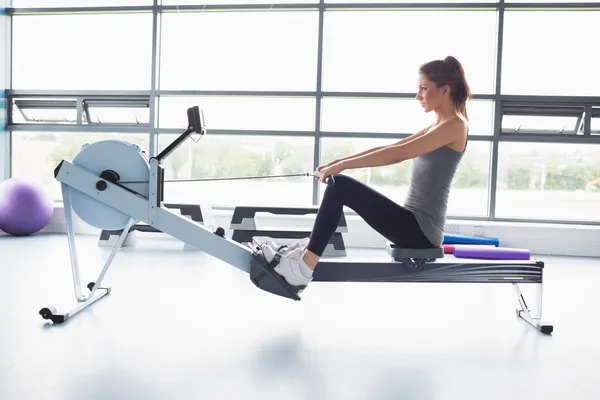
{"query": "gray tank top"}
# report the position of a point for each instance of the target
(432, 176)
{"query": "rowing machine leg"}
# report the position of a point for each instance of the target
(525, 313)
(96, 290)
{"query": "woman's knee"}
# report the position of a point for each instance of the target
(344, 183)
(342, 180)
(341, 188)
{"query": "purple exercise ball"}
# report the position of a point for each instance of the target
(25, 207)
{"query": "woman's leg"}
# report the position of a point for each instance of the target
(391, 220)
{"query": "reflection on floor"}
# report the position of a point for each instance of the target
(182, 325)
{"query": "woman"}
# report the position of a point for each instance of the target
(436, 150)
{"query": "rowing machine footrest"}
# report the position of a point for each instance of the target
(265, 278)
(402, 253)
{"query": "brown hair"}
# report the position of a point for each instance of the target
(449, 71)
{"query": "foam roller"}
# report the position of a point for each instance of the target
(448, 248)
(491, 253)
(450, 238)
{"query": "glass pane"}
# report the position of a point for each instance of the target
(226, 156)
(552, 1)
(381, 56)
(394, 115)
(595, 125)
(36, 154)
(390, 180)
(469, 195)
(548, 181)
(195, 2)
(33, 111)
(406, 1)
(119, 115)
(538, 58)
(533, 123)
(224, 112)
(239, 51)
(481, 117)
(82, 52)
(79, 3)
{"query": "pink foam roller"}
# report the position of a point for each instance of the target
(491, 253)
(448, 248)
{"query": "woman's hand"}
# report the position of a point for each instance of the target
(331, 170)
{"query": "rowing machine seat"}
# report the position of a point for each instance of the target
(412, 256)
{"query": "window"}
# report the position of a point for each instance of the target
(36, 154)
(88, 110)
(552, 1)
(196, 2)
(116, 111)
(481, 117)
(384, 115)
(82, 52)
(250, 113)
(227, 156)
(538, 58)
(390, 180)
(78, 3)
(595, 123)
(546, 117)
(555, 181)
(384, 55)
(372, 115)
(239, 51)
(470, 188)
(469, 194)
(533, 124)
(44, 111)
(406, 1)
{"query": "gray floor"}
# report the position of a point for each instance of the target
(182, 325)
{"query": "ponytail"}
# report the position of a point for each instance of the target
(449, 71)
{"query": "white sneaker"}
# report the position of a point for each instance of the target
(293, 269)
(281, 248)
(270, 249)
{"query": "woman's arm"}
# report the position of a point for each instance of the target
(437, 137)
(362, 153)
(374, 149)
(411, 137)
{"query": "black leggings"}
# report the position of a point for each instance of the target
(391, 220)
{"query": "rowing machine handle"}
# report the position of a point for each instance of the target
(329, 180)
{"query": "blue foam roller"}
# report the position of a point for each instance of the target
(451, 238)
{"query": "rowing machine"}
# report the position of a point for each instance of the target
(113, 185)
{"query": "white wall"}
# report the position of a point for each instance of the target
(568, 240)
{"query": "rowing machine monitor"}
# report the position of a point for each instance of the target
(196, 120)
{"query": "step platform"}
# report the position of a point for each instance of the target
(245, 230)
(196, 212)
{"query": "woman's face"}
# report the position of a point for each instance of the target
(429, 95)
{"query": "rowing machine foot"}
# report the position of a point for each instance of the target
(51, 314)
(541, 326)
(265, 278)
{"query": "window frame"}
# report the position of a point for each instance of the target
(584, 109)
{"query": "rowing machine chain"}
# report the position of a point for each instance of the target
(226, 179)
